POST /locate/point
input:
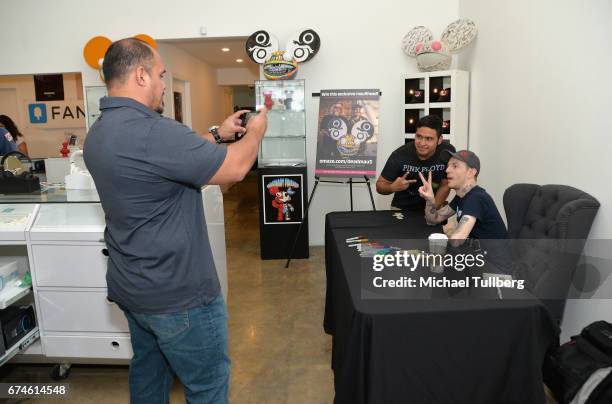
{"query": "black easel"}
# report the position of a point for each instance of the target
(317, 181)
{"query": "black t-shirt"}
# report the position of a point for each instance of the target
(405, 159)
(489, 228)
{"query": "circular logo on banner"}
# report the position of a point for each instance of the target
(362, 130)
(335, 126)
(347, 146)
(279, 69)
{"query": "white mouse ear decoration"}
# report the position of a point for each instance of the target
(262, 48)
(433, 55)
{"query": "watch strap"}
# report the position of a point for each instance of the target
(214, 131)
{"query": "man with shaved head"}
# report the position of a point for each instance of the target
(149, 171)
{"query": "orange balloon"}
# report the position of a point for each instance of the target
(147, 39)
(95, 49)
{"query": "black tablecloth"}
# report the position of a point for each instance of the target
(425, 351)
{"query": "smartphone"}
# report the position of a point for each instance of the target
(244, 119)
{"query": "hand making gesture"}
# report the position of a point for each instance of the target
(426, 190)
(401, 183)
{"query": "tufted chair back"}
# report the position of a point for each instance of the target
(548, 225)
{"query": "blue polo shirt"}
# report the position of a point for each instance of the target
(7, 144)
(149, 171)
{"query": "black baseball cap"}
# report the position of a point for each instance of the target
(468, 157)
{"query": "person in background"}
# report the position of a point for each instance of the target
(401, 172)
(7, 144)
(149, 171)
(8, 124)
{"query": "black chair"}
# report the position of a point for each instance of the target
(548, 225)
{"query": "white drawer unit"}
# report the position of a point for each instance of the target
(69, 346)
(63, 242)
(70, 265)
(84, 311)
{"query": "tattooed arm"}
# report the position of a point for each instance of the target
(461, 231)
(433, 215)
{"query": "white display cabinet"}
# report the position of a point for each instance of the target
(452, 107)
(15, 219)
(68, 258)
(63, 246)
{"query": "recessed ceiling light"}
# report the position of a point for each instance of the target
(239, 60)
(225, 49)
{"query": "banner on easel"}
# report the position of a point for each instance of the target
(348, 133)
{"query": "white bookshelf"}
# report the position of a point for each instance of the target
(454, 110)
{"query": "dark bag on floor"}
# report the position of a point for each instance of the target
(600, 335)
(573, 363)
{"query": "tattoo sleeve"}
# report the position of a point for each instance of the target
(460, 226)
(435, 216)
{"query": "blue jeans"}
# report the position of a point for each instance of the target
(191, 344)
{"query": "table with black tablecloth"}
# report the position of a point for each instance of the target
(425, 351)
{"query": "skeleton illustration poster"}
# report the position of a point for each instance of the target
(348, 133)
(282, 196)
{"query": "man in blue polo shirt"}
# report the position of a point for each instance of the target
(149, 171)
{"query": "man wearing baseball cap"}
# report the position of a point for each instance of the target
(477, 215)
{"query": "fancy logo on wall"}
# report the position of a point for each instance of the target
(348, 133)
(282, 198)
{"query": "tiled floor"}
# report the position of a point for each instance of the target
(279, 351)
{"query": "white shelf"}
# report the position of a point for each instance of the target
(439, 105)
(14, 220)
(25, 342)
(455, 110)
(11, 293)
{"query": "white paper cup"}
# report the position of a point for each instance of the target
(437, 246)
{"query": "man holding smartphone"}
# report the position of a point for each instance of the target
(149, 171)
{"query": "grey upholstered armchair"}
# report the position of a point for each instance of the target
(548, 225)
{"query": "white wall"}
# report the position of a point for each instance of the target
(236, 76)
(202, 78)
(540, 103)
(360, 48)
(42, 142)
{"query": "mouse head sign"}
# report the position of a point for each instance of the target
(262, 47)
(436, 54)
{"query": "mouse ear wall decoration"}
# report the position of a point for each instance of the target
(433, 54)
(262, 47)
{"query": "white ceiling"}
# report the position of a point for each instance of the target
(209, 51)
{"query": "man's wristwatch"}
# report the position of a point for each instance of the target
(214, 130)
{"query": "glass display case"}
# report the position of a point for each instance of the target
(285, 141)
(92, 98)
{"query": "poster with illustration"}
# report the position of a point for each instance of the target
(348, 133)
(282, 198)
